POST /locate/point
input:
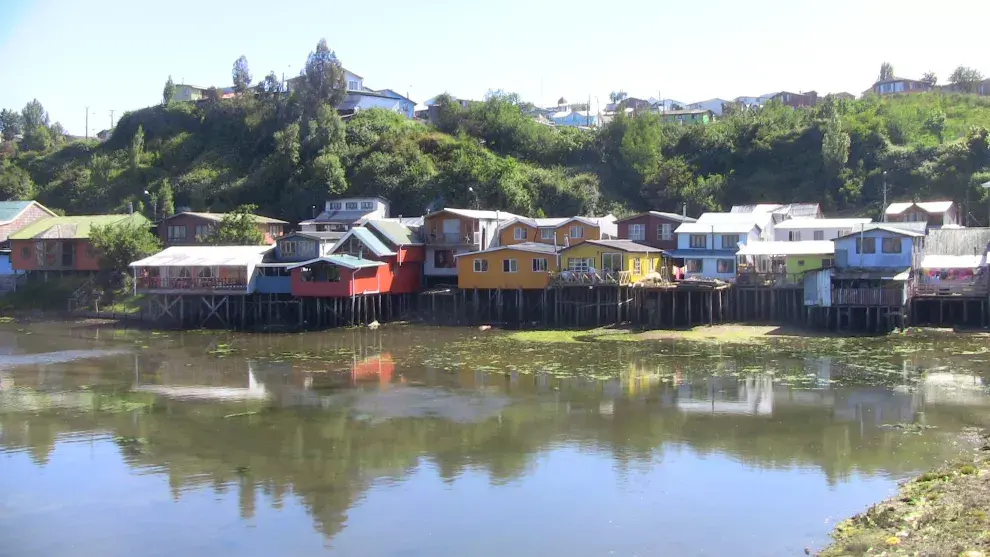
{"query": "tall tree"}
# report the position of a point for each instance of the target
(34, 115)
(119, 245)
(617, 96)
(137, 147)
(168, 93)
(57, 133)
(323, 78)
(270, 88)
(966, 80)
(930, 78)
(241, 74)
(166, 199)
(237, 228)
(886, 71)
(11, 124)
(15, 183)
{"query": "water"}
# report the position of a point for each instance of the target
(423, 442)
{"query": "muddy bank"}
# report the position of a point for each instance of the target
(945, 512)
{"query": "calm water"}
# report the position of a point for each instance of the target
(427, 442)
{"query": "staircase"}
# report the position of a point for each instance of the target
(83, 297)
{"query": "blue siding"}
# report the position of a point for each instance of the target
(5, 267)
(273, 285)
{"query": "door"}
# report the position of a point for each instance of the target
(611, 261)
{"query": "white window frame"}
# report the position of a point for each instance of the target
(519, 233)
(351, 205)
(547, 233)
(818, 235)
(637, 266)
(580, 264)
(793, 235)
(336, 206)
(692, 243)
(172, 229)
(481, 265)
(290, 248)
(665, 231)
(730, 241)
(637, 232)
(510, 265)
(688, 263)
(611, 258)
(576, 232)
(367, 205)
(540, 265)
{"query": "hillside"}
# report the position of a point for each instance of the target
(287, 155)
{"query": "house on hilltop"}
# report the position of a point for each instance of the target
(896, 85)
(935, 214)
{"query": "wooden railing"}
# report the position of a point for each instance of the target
(753, 278)
(950, 288)
(196, 283)
(452, 238)
(867, 297)
(589, 278)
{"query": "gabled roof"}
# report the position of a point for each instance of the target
(72, 228)
(10, 210)
(476, 214)
(346, 261)
(621, 245)
(930, 207)
(895, 79)
(884, 227)
(205, 256)
(669, 216)
(559, 221)
(732, 226)
(395, 231)
(532, 247)
(320, 236)
(810, 224)
(367, 238)
(217, 217)
(810, 247)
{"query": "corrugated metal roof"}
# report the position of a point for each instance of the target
(347, 261)
(931, 207)
(477, 214)
(10, 209)
(957, 241)
(892, 227)
(669, 216)
(810, 247)
(532, 247)
(217, 217)
(622, 245)
(731, 227)
(205, 256)
(807, 224)
(396, 232)
(369, 239)
(72, 228)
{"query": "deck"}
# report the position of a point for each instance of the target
(885, 297)
(169, 285)
(591, 278)
(961, 289)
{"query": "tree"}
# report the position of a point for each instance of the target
(137, 147)
(38, 138)
(270, 88)
(241, 74)
(561, 101)
(119, 245)
(237, 228)
(169, 91)
(886, 71)
(323, 78)
(33, 115)
(212, 94)
(15, 183)
(11, 124)
(966, 80)
(58, 133)
(446, 113)
(835, 144)
(935, 124)
(166, 199)
(617, 96)
(930, 78)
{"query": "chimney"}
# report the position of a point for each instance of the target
(683, 209)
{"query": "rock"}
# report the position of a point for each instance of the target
(374, 325)
(484, 327)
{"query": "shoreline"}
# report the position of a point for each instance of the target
(945, 511)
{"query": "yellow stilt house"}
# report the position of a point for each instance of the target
(527, 265)
(610, 262)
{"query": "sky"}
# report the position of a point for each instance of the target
(117, 54)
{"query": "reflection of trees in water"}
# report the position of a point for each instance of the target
(323, 439)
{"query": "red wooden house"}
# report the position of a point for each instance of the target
(379, 258)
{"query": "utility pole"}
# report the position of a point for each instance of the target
(111, 119)
(884, 218)
(87, 122)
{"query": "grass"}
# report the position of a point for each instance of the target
(124, 303)
(942, 512)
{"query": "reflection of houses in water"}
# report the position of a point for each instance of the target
(751, 395)
(954, 388)
(175, 383)
(380, 367)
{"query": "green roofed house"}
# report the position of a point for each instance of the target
(62, 243)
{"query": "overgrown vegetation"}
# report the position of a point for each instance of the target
(287, 152)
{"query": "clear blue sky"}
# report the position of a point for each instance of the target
(116, 54)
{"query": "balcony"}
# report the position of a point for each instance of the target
(591, 278)
(453, 238)
(960, 288)
(886, 297)
(774, 280)
(191, 285)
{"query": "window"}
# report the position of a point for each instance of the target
(828, 262)
(637, 266)
(726, 266)
(510, 266)
(637, 232)
(577, 232)
(800, 263)
(444, 259)
(481, 265)
(611, 261)
(539, 265)
(699, 241)
(891, 245)
(368, 205)
(203, 230)
(204, 272)
(519, 233)
(546, 233)
(289, 248)
(866, 245)
(729, 241)
(274, 230)
(694, 265)
(353, 85)
(579, 264)
(176, 233)
(321, 273)
(794, 236)
(665, 231)
(351, 205)
(819, 235)
(335, 206)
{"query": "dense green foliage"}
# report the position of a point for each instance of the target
(237, 228)
(119, 245)
(287, 153)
